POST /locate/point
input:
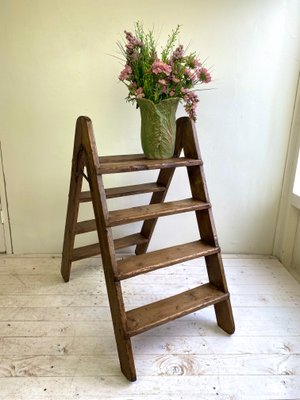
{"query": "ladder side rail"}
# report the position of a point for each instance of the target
(205, 220)
(78, 163)
(197, 180)
(107, 250)
(216, 276)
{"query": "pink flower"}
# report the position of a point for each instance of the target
(162, 82)
(197, 63)
(159, 67)
(132, 40)
(172, 93)
(191, 74)
(125, 73)
(133, 85)
(132, 88)
(174, 79)
(139, 93)
(191, 100)
(178, 53)
(131, 45)
(204, 75)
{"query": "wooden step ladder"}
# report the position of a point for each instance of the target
(129, 323)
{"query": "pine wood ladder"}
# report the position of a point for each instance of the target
(129, 323)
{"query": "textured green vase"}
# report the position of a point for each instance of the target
(158, 127)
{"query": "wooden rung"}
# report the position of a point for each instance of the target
(85, 196)
(120, 158)
(126, 216)
(91, 250)
(94, 249)
(147, 262)
(129, 240)
(117, 166)
(85, 226)
(151, 315)
(125, 191)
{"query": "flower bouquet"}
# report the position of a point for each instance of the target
(157, 83)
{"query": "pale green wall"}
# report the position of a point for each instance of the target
(55, 65)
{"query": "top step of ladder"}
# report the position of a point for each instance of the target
(138, 162)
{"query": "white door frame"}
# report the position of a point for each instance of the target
(289, 212)
(4, 217)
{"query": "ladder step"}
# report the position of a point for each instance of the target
(133, 214)
(151, 315)
(121, 158)
(85, 196)
(126, 216)
(86, 251)
(125, 191)
(117, 164)
(94, 249)
(85, 226)
(147, 262)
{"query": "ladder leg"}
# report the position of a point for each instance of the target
(206, 225)
(123, 343)
(224, 316)
(216, 276)
(114, 289)
(72, 209)
(126, 359)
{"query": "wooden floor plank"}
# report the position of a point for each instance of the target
(270, 322)
(135, 298)
(65, 365)
(264, 387)
(66, 342)
(56, 339)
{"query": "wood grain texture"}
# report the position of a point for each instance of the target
(65, 365)
(125, 191)
(78, 162)
(86, 226)
(91, 250)
(126, 216)
(205, 221)
(154, 314)
(147, 262)
(208, 343)
(144, 164)
(264, 387)
(140, 213)
(120, 158)
(77, 358)
(105, 237)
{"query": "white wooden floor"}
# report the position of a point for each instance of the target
(56, 338)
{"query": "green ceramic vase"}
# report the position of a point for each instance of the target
(158, 127)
